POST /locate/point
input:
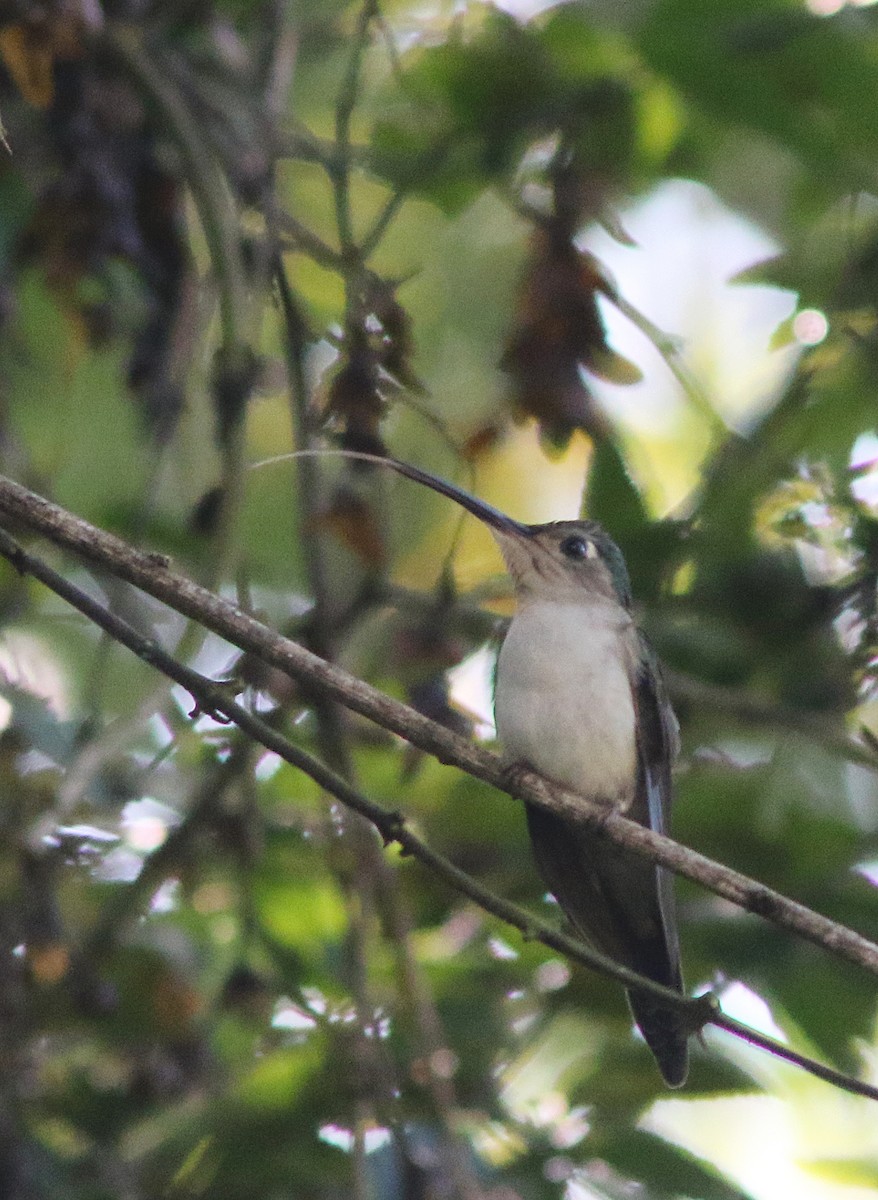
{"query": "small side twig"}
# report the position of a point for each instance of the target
(347, 99)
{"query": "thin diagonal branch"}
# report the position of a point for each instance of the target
(215, 699)
(20, 507)
(788, 1054)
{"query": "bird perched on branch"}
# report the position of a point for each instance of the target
(579, 698)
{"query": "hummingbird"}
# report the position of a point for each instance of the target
(579, 698)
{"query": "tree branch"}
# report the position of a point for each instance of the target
(214, 699)
(150, 572)
(376, 881)
(347, 99)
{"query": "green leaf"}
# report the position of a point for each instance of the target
(777, 69)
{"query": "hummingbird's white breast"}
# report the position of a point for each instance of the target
(563, 699)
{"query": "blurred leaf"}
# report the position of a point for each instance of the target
(671, 1171)
(297, 903)
(793, 76)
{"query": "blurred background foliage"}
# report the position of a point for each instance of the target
(619, 255)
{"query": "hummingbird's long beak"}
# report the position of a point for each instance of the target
(492, 517)
(515, 539)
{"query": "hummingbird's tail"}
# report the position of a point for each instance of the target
(665, 1034)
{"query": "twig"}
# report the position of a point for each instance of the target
(347, 99)
(353, 880)
(780, 1050)
(382, 222)
(428, 1031)
(366, 876)
(21, 507)
(300, 143)
(669, 349)
(215, 700)
(276, 65)
(372, 878)
(390, 41)
(308, 242)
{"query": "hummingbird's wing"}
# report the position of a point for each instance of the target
(658, 743)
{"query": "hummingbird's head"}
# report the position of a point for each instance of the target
(564, 560)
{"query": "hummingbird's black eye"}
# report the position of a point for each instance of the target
(577, 547)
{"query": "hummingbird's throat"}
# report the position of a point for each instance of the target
(520, 553)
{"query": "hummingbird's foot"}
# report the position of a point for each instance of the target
(606, 809)
(704, 1009)
(515, 771)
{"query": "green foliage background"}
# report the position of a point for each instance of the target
(228, 230)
